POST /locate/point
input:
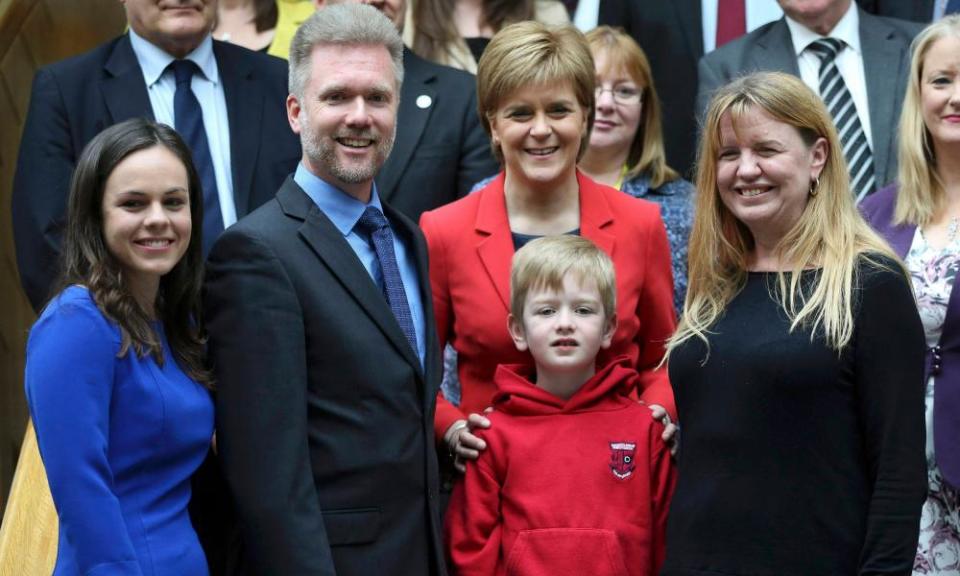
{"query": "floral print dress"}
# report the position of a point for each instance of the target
(933, 271)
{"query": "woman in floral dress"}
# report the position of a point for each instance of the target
(920, 217)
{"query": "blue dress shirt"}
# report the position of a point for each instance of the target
(161, 87)
(344, 211)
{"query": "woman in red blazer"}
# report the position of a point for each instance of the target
(536, 95)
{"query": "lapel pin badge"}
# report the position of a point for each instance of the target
(424, 101)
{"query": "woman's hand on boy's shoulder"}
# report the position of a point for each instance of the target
(670, 429)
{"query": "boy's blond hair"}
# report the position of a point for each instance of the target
(543, 263)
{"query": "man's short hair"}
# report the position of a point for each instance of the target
(345, 25)
(543, 263)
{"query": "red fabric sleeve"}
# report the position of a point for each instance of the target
(663, 479)
(472, 528)
(657, 320)
(446, 413)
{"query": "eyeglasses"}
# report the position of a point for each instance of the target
(621, 94)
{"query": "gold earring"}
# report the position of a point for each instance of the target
(815, 187)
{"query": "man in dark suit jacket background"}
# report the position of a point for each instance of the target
(441, 150)
(241, 94)
(914, 10)
(876, 70)
(326, 388)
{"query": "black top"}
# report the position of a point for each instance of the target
(796, 460)
(477, 46)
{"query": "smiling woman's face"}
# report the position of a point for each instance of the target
(539, 130)
(618, 113)
(764, 172)
(940, 92)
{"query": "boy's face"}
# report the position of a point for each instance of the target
(564, 330)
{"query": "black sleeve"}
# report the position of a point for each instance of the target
(476, 159)
(257, 349)
(889, 368)
(40, 187)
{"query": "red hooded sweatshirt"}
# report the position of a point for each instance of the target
(565, 487)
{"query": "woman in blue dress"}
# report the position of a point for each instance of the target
(114, 378)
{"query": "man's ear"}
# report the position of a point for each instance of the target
(608, 331)
(515, 326)
(293, 113)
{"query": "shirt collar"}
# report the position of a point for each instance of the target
(341, 208)
(847, 29)
(154, 61)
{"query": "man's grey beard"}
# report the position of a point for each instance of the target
(321, 152)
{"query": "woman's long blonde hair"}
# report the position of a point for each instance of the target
(830, 234)
(920, 196)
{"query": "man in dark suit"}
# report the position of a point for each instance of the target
(322, 336)
(875, 71)
(441, 150)
(240, 93)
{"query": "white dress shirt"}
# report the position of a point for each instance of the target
(207, 87)
(849, 61)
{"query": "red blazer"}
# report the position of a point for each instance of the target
(471, 249)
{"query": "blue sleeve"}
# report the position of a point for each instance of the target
(71, 358)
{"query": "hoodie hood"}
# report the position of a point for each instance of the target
(516, 393)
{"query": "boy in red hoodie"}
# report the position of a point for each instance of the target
(576, 479)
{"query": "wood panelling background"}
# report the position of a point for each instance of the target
(32, 33)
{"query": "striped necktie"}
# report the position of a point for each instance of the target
(839, 102)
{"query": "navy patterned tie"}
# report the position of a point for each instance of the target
(839, 101)
(373, 223)
(188, 118)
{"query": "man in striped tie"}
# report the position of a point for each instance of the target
(856, 61)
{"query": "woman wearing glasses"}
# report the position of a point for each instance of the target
(626, 145)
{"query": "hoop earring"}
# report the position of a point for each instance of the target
(814, 187)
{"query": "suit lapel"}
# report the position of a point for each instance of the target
(595, 214)
(880, 53)
(417, 101)
(775, 50)
(244, 98)
(495, 244)
(124, 90)
(329, 245)
(418, 249)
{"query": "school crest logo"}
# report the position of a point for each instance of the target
(622, 459)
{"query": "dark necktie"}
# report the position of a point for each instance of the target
(731, 20)
(188, 118)
(839, 102)
(373, 223)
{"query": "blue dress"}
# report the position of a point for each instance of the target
(120, 439)
(676, 208)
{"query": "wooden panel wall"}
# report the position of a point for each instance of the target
(32, 33)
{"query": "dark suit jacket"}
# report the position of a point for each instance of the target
(915, 10)
(324, 415)
(885, 44)
(441, 149)
(671, 34)
(75, 99)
